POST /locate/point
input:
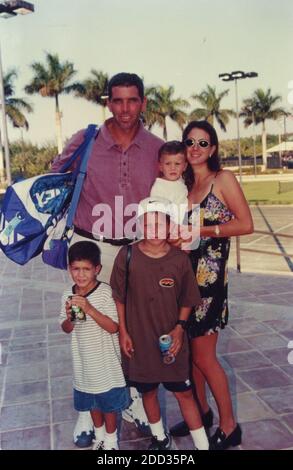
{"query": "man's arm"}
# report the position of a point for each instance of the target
(71, 146)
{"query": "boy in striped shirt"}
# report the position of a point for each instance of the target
(99, 384)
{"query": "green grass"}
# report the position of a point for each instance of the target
(266, 192)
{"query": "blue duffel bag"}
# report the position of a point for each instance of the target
(32, 208)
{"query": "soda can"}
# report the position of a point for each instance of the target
(77, 314)
(165, 342)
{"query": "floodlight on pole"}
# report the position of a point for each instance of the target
(9, 9)
(16, 7)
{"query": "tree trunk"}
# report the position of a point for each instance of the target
(264, 145)
(104, 113)
(165, 130)
(210, 119)
(58, 125)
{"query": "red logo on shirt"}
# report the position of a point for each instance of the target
(167, 282)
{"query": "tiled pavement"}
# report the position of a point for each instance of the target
(35, 375)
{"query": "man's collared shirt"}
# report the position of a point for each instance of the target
(112, 171)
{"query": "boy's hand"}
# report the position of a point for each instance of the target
(177, 339)
(81, 302)
(126, 344)
(68, 309)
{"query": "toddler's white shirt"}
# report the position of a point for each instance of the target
(176, 192)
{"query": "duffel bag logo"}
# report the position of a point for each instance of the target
(7, 229)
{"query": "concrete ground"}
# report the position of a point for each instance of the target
(277, 219)
(36, 371)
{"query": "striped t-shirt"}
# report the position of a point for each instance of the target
(96, 353)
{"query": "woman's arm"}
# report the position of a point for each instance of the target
(227, 187)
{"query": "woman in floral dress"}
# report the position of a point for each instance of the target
(224, 213)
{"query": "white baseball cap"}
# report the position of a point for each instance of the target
(154, 204)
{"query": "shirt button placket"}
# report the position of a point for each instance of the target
(124, 170)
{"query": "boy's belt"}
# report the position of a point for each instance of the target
(99, 238)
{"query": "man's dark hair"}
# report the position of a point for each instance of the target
(85, 251)
(171, 148)
(126, 79)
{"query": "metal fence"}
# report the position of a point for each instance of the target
(264, 252)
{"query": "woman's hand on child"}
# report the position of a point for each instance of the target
(177, 242)
(177, 339)
(126, 344)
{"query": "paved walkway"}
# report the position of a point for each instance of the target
(36, 371)
(277, 219)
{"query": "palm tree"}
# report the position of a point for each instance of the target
(160, 105)
(258, 109)
(210, 109)
(51, 80)
(93, 89)
(14, 108)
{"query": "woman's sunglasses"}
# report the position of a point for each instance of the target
(191, 142)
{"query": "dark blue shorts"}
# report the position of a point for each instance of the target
(116, 399)
(143, 387)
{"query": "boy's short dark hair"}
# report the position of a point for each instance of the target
(85, 251)
(171, 148)
(126, 79)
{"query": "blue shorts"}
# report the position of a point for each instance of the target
(116, 399)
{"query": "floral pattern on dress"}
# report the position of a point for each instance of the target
(202, 309)
(209, 262)
(206, 272)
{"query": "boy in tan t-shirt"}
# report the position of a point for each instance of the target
(161, 292)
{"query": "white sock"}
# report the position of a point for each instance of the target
(200, 439)
(134, 393)
(158, 430)
(100, 433)
(111, 440)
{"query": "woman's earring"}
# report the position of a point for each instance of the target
(210, 155)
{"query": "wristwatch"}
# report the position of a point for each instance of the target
(217, 230)
(182, 323)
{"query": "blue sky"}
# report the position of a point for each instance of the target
(184, 43)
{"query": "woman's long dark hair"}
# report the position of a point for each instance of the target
(213, 162)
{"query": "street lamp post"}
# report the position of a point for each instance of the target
(5, 133)
(234, 76)
(254, 139)
(9, 9)
(228, 77)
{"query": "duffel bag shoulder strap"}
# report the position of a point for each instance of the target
(90, 137)
(90, 131)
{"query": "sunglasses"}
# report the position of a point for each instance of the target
(191, 142)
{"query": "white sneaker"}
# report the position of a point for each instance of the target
(110, 446)
(83, 433)
(98, 445)
(135, 413)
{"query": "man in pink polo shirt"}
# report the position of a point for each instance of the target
(121, 170)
